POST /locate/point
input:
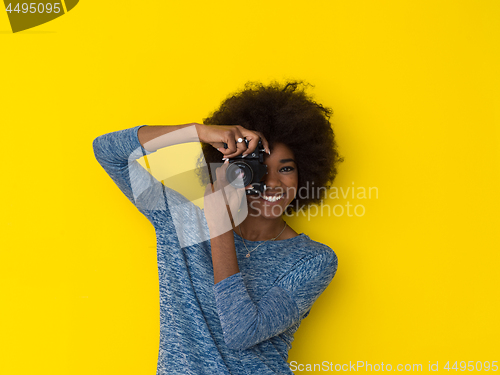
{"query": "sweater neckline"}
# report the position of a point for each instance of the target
(299, 236)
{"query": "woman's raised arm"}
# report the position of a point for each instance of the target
(153, 138)
(117, 152)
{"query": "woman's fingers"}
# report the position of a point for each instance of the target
(235, 144)
(221, 182)
(264, 142)
(253, 138)
(230, 139)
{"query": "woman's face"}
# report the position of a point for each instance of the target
(281, 180)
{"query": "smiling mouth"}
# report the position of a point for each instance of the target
(272, 198)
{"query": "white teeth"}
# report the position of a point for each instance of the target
(272, 198)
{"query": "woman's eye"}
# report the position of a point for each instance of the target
(287, 169)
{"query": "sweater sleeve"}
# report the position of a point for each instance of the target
(117, 153)
(246, 323)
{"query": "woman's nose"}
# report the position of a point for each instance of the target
(272, 180)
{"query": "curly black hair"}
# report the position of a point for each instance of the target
(284, 113)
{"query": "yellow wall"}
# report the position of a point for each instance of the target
(415, 90)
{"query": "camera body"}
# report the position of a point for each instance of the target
(253, 168)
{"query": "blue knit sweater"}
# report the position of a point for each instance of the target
(244, 324)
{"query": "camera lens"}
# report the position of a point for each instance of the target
(234, 170)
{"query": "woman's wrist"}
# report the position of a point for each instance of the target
(200, 130)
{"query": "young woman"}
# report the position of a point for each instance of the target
(234, 286)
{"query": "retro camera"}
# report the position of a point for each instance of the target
(253, 168)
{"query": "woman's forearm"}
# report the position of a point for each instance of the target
(155, 137)
(224, 256)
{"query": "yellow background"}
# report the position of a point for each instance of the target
(415, 89)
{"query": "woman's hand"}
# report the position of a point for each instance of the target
(224, 204)
(217, 135)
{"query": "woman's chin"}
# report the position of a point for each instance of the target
(259, 206)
